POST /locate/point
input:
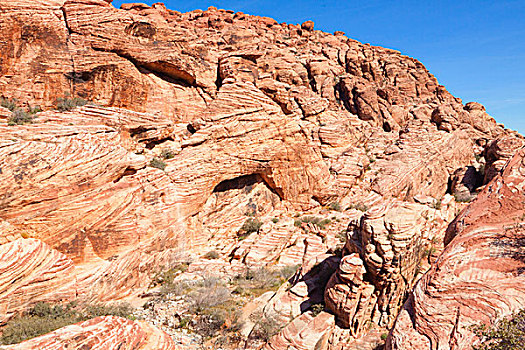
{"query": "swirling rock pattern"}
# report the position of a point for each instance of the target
(211, 115)
(30, 271)
(108, 332)
(484, 256)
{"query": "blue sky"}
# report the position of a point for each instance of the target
(475, 48)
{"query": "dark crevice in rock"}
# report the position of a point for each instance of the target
(69, 31)
(162, 69)
(128, 172)
(191, 129)
(151, 144)
(218, 81)
(245, 182)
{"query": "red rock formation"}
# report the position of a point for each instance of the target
(100, 333)
(256, 117)
(479, 277)
(30, 271)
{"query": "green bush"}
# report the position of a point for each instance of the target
(251, 225)
(157, 163)
(507, 334)
(317, 309)
(321, 223)
(44, 318)
(335, 206)
(167, 153)
(65, 104)
(212, 254)
(463, 198)
(9, 104)
(275, 220)
(359, 206)
(19, 117)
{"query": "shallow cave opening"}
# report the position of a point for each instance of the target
(245, 182)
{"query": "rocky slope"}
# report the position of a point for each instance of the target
(479, 278)
(203, 122)
(101, 333)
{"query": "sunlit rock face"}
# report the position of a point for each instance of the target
(108, 332)
(478, 278)
(203, 122)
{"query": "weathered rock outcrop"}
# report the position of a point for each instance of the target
(30, 271)
(101, 333)
(206, 119)
(479, 277)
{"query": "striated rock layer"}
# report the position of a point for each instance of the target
(108, 332)
(30, 271)
(203, 121)
(479, 278)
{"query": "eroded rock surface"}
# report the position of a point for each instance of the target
(336, 152)
(478, 278)
(30, 271)
(108, 332)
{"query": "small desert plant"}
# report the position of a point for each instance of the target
(359, 206)
(65, 104)
(507, 334)
(317, 309)
(335, 206)
(19, 117)
(251, 225)
(275, 220)
(209, 293)
(265, 327)
(321, 223)
(167, 153)
(212, 254)
(463, 197)
(9, 104)
(384, 336)
(157, 163)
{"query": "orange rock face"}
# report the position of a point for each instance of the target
(478, 278)
(106, 332)
(204, 120)
(31, 272)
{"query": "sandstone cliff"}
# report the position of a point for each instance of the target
(200, 121)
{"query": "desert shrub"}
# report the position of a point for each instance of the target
(321, 223)
(317, 309)
(9, 104)
(335, 206)
(212, 254)
(275, 220)
(19, 117)
(286, 272)
(157, 163)
(259, 281)
(44, 318)
(167, 153)
(211, 293)
(437, 204)
(265, 327)
(341, 235)
(359, 206)
(65, 104)
(251, 225)
(384, 336)
(507, 334)
(463, 198)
